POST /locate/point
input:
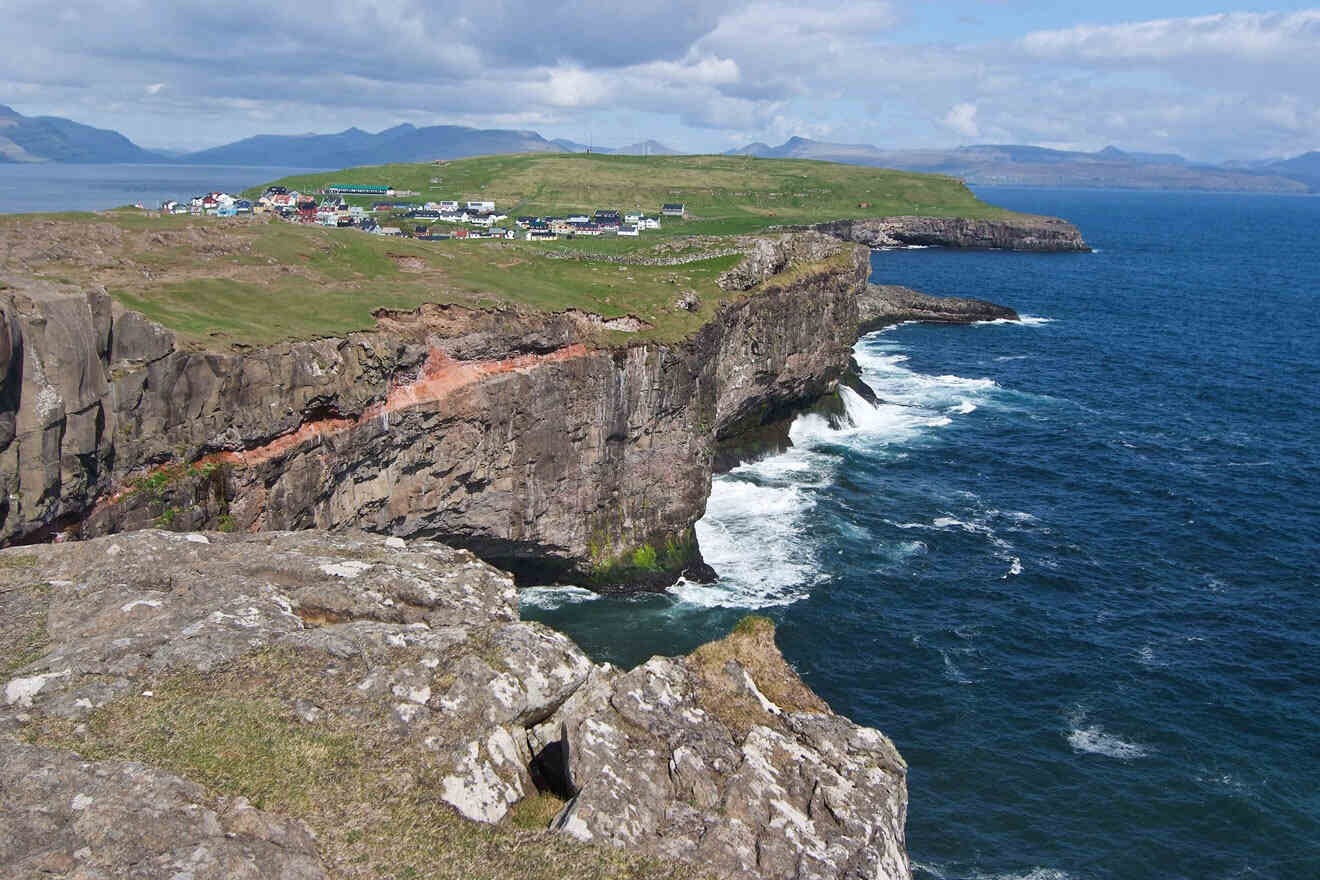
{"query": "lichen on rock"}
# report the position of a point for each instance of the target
(409, 662)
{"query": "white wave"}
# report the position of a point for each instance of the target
(1095, 741)
(1033, 874)
(951, 670)
(752, 535)
(1013, 357)
(550, 598)
(1034, 320)
(1015, 568)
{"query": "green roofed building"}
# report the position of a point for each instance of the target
(357, 190)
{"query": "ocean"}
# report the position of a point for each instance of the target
(1072, 565)
(71, 187)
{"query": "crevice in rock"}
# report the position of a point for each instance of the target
(549, 771)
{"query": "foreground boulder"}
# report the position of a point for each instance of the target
(403, 670)
(63, 816)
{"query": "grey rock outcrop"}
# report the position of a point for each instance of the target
(726, 756)
(723, 758)
(1019, 233)
(882, 305)
(64, 817)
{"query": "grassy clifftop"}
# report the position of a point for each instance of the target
(723, 194)
(242, 281)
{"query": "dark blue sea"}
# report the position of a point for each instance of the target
(1072, 565)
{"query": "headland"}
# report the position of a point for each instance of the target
(555, 408)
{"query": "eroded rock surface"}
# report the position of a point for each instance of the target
(726, 757)
(723, 758)
(61, 816)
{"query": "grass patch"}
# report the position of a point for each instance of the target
(368, 794)
(751, 644)
(23, 635)
(536, 812)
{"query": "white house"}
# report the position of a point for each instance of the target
(648, 223)
(485, 207)
(629, 230)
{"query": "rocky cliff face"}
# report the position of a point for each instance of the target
(1021, 233)
(511, 434)
(346, 676)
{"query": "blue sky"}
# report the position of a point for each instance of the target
(1210, 82)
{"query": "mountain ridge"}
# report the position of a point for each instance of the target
(43, 139)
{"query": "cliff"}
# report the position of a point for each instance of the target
(518, 435)
(309, 705)
(1021, 232)
(883, 305)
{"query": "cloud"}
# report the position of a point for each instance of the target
(961, 118)
(696, 71)
(1237, 37)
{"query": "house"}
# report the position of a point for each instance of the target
(673, 209)
(631, 218)
(541, 235)
(579, 218)
(353, 189)
(648, 223)
(451, 207)
(629, 230)
(392, 231)
(225, 210)
(485, 207)
(607, 218)
(243, 206)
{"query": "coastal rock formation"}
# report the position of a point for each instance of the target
(508, 433)
(883, 305)
(723, 758)
(1019, 233)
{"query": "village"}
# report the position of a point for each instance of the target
(427, 221)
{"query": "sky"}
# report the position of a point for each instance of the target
(1209, 82)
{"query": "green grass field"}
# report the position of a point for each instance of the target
(723, 194)
(222, 283)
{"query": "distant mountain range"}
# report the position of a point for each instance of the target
(1011, 165)
(52, 139)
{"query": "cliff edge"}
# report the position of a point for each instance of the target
(311, 705)
(529, 438)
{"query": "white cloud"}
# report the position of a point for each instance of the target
(1243, 37)
(961, 118)
(1235, 83)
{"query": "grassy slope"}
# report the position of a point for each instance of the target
(221, 283)
(725, 194)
